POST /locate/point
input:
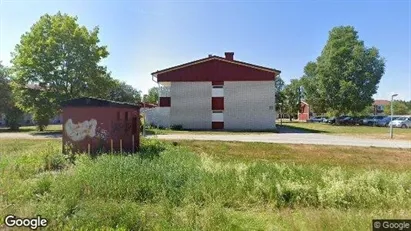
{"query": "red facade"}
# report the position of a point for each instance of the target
(165, 101)
(304, 113)
(217, 103)
(217, 125)
(97, 126)
(216, 70)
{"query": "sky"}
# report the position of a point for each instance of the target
(145, 36)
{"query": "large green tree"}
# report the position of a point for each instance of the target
(279, 92)
(346, 74)
(123, 92)
(152, 96)
(7, 103)
(292, 98)
(57, 60)
(5, 91)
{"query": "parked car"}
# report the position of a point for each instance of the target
(341, 118)
(401, 122)
(348, 120)
(318, 119)
(372, 120)
(385, 121)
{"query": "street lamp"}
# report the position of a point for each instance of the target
(392, 113)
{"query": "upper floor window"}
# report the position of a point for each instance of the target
(218, 91)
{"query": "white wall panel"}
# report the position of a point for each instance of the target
(249, 105)
(191, 104)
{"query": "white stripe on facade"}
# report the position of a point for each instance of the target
(217, 92)
(217, 117)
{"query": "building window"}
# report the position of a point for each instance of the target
(217, 91)
(217, 103)
(217, 116)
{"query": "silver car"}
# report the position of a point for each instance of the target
(401, 122)
(385, 121)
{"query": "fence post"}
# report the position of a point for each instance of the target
(132, 143)
(121, 146)
(88, 148)
(111, 146)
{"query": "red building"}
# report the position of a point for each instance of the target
(216, 93)
(100, 125)
(304, 113)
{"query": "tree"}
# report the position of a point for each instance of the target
(5, 91)
(152, 96)
(57, 60)
(123, 92)
(346, 74)
(311, 93)
(400, 108)
(279, 92)
(292, 98)
(7, 105)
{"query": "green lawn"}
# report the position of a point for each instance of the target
(55, 128)
(359, 131)
(204, 185)
(155, 131)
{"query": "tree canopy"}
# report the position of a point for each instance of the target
(7, 102)
(345, 76)
(292, 97)
(399, 108)
(5, 90)
(58, 60)
(152, 96)
(123, 92)
(279, 92)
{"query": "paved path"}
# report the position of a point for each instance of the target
(295, 138)
(286, 138)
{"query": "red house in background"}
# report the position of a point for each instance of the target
(304, 113)
(100, 125)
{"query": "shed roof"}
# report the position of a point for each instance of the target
(96, 102)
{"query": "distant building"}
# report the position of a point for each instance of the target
(304, 113)
(379, 105)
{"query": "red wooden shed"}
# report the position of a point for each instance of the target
(96, 125)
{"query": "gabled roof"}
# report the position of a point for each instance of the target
(381, 102)
(215, 57)
(96, 102)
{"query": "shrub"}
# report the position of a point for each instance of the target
(176, 127)
(55, 161)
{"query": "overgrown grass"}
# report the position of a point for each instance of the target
(348, 157)
(169, 187)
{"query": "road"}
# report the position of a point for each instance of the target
(295, 138)
(285, 138)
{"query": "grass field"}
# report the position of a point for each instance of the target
(206, 186)
(55, 128)
(358, 131)
(155, 131)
